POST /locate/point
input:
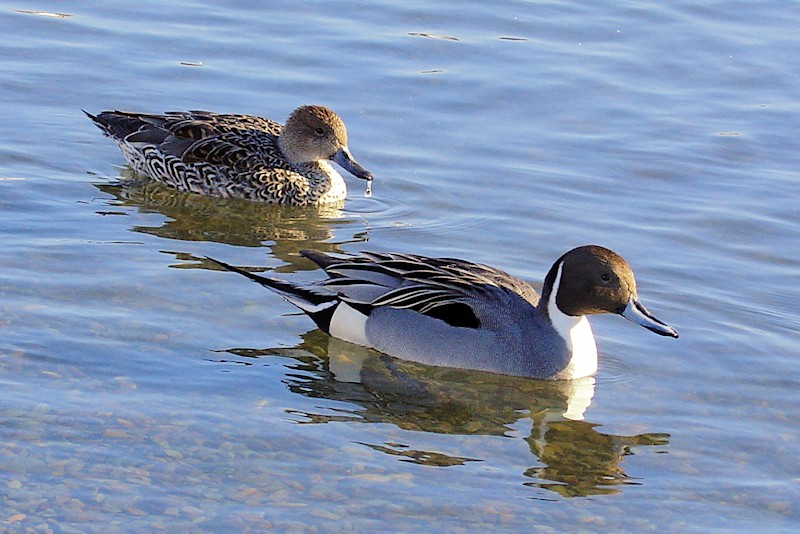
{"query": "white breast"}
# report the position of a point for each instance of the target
(338, 188)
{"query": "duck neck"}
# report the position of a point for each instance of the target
(576, 333)
(287, 152)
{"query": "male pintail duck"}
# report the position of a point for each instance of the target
(455, 313)
(239, 156)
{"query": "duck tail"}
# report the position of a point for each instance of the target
(116, 124)
(317, 304)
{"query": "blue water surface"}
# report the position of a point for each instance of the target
(143, 390)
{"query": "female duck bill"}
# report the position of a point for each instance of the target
(345, 160)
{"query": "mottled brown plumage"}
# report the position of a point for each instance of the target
(238, 156)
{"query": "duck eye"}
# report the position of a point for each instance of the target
(320, 131)
(605, 277)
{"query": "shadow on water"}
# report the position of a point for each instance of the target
(574, 458)
(190, 217)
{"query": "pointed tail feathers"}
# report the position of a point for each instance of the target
(316, 304)
(116, 124)
(279, 286)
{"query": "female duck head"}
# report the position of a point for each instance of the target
(314, 133)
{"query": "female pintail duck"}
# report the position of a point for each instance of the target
(454, 313)
(239, 156)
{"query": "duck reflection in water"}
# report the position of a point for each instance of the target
(573, 457)
(190, 217)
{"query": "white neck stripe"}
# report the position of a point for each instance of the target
(562, 322)
(576, 332)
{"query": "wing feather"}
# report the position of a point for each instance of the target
(444, 288)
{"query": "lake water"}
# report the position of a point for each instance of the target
(142, 390)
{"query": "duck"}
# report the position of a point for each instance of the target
(239, 156)
(455, 313)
